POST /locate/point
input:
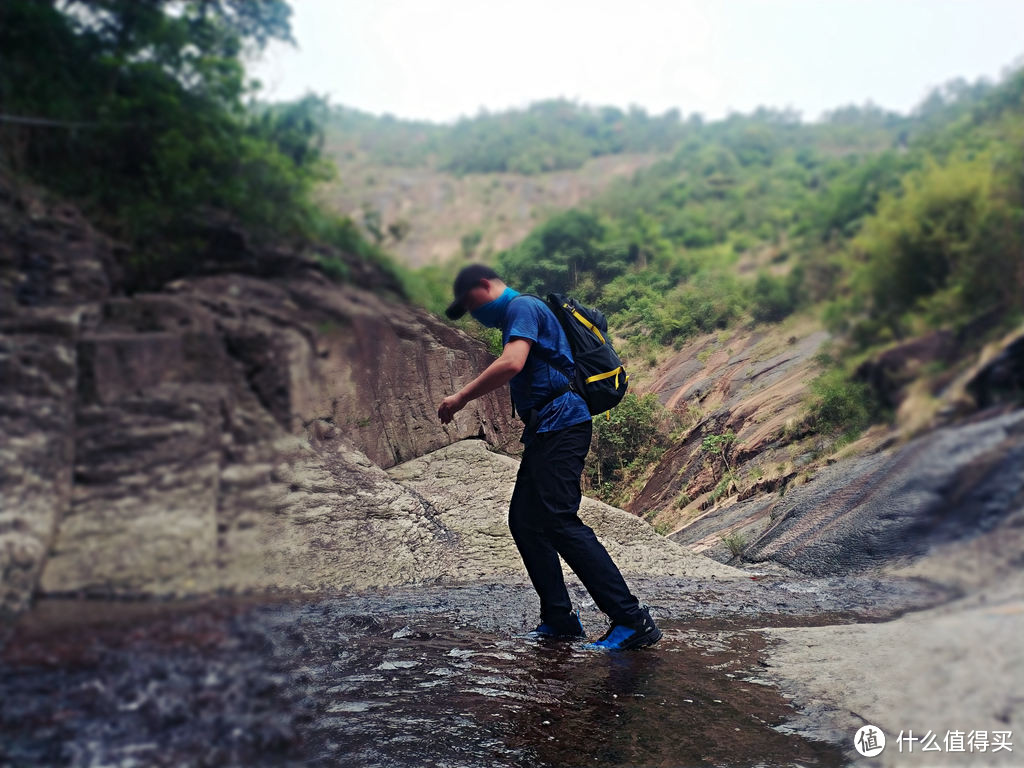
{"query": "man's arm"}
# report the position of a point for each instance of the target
(511, 362)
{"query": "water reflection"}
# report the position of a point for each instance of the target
(329, 683)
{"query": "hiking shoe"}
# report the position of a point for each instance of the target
(626, 637)
(569, 628)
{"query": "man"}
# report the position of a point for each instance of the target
(535, 361)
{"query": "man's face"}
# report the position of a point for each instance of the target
(483, 292)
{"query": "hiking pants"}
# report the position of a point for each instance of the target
(544, 523)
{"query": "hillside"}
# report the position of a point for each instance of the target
(428, 217)
(430, 193)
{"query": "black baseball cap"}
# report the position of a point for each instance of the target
(466, 279)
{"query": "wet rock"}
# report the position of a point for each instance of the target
(950, 484)
(739, 523)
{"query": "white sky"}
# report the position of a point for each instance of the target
(442, 59)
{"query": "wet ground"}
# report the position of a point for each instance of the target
(435, 676)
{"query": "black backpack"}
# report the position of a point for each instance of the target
(600, 378)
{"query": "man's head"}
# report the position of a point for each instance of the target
(474, 286)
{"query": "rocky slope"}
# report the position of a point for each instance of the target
(141, 433)
(949, 441)
(751, 384)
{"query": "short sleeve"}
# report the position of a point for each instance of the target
(522, 321)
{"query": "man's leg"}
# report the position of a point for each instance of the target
(526, 523)
(555, 469)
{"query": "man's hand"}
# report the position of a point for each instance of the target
(513, 358)
(450, 406)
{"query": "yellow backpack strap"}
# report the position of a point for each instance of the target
(607, 375)
(589, 325)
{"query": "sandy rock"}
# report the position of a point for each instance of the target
(143, 516)
(54, 269)
(37, 386)
(340, 523)
(953, 668)
(470, 487)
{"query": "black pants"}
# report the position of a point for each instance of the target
(544, 523)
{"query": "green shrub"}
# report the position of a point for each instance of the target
(840, 406)
(736, 543)
(632, 437)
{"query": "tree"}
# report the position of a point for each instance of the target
(153, 129)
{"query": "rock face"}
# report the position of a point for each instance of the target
(53, 270)
(328, 518)
(948, 485)
(751, 385)
(141, 433)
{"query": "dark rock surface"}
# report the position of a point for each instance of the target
(889, 373)
(950, 484)
(1000, 380)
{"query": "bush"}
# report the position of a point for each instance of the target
(633, 436)
(775, 298)
(947, 249)
(840, 406)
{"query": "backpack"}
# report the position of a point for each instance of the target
(600, 378)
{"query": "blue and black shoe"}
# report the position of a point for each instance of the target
(569, 628)
(626, 637)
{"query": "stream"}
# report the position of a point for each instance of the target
(415, 677)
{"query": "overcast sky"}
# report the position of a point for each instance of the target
(442, 59)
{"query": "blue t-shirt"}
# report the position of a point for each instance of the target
(527, 317)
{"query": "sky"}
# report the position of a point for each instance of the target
(440, 60)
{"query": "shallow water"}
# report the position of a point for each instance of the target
(442, 677)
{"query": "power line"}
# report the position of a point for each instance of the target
(44, 121)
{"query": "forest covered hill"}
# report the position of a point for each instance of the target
(875, 227)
